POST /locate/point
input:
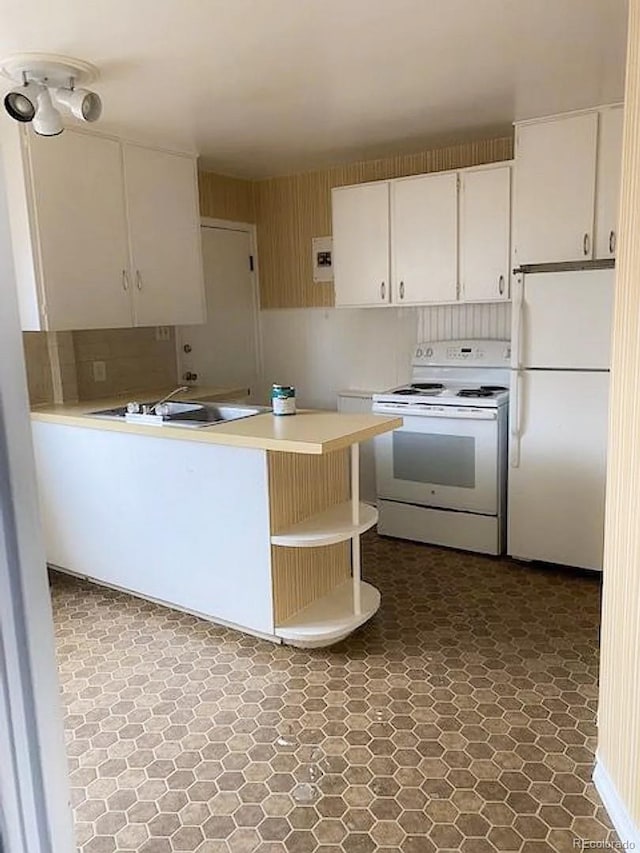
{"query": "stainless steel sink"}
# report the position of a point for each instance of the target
(193, 414)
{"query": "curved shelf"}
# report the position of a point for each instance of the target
(326, 528)
(329, 619)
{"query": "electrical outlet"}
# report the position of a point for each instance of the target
(99, 371)
(163, 333)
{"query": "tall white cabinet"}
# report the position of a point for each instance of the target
(567, 179)
(105, 234)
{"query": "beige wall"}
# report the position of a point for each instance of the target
(291, 210)
(134, 359)
(619, 711)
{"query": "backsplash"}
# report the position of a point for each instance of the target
(324, 350)
(60, 364)
(452, 322)
(134, 361)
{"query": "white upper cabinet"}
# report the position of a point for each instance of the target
(361, 244)
(608, 180)
(79, 212)
(164, 228)
(81, 232)
(424, 239)
(554, 189)
(485, 227)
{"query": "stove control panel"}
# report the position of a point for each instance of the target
(484, 353)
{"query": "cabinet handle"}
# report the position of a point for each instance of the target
(501, 285)
(402, 290)
(125, 281)
(382, 290)
(586, 244)
(138, 280)
(612, 242)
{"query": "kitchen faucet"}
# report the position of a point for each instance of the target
(152, 409)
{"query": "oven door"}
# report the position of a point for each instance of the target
(449, 461)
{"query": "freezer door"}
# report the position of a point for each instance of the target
(557, 479)
(562, 320)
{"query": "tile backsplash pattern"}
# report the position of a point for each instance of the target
(134, 361)
(39, 379)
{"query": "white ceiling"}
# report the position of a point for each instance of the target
(264, 87)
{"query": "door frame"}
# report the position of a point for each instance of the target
(252, 230)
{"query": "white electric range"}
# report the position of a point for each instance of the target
(442, 477)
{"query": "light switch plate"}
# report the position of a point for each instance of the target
(99, 371)
(163, 333)
(322, 248)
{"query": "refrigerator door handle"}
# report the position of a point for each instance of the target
(516, 420)
(518, 309)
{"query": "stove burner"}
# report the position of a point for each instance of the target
(475, 392)
(404, 391)
(493, 388)
(427, 386)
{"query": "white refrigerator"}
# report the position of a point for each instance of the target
(561, 337)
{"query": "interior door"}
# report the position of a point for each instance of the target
(164, 225)
(485, 226)
(557, 484)
(608, 181)
(224, 350)
(361, 244)
(79, 205)
(443, 462)
(563, 320)
(554, 189)
(424, 239)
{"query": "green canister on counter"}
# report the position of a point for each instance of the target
(283, 399)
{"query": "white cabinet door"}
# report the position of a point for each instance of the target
(608, 181)
(164, 228)
(361, 244)
(80, 228)
(557, 492)
(554, 189)
(485, 225)
(424, 239)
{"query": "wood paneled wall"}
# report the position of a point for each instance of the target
(291, 210)
(299, 487)
(619, 711)
(226, 198)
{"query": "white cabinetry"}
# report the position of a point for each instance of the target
(79, 227)
(608, 180)
(567, 182)
(98, 245)
(164, 228)
(555, 171)
(424, 238)
(361, 244)
(399, 243)
(485, 214)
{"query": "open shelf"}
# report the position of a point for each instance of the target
(326, 528)
(331, 618)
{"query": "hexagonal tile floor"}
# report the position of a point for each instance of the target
(462, 717)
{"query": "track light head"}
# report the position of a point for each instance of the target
(81, 103)
(47, 120)
(22, 102)
(38, 75)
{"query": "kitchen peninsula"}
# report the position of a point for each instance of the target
(253, 523)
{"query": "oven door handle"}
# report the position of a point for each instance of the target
(460, 414)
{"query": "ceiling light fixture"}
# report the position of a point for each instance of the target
(41, 75)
